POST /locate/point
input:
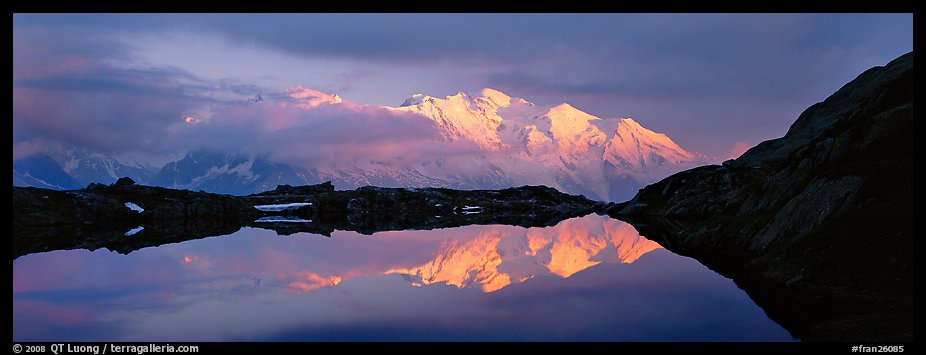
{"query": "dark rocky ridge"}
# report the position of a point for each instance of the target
(817, 225)
(97, 216)
(371, 209)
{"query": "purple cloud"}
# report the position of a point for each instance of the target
(74, 96)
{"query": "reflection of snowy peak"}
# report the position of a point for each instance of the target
(496, 258)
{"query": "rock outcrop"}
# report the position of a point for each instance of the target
(125, 216)
(101, 216)
(817, 225)
(371, 209)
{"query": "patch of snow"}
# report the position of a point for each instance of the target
(437, 216)
(437, 205)
(499, 98)
(134, 231)
(310, 98)
(468, 208)
(71, 165)
(216, 170)
(416, 99)
(132, 206)
(282, 207)
(285, 219)
(471, 212)
(244, 170)
(42, 181)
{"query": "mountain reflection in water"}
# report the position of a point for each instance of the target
(496, 256)
(572, 281)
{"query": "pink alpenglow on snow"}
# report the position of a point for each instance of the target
(309, 98)
(559, 146)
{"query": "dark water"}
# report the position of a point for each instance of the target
(589, 278)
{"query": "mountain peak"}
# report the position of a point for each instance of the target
(311, 98)
(630, 123)
(416, 99)
(492, 96)
(498, 97)
(567, 110)
(562, 106)
(639, 148)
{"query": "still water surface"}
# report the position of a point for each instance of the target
(589, 278)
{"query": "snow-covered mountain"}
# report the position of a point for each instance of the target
(74, 168)
(86, 167)
(559, 146)
(230, 173)
(42, 171)
(505, 141)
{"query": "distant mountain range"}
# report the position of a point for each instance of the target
(519, 143)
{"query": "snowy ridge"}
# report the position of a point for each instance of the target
(87, 167)
(229, 173)
(559, 146)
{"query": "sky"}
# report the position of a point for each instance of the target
(715, 83)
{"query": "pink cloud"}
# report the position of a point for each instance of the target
(738, 149)
(73, 94)
(309, 281)
(310, 98)
(310, 127)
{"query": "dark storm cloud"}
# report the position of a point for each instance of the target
(401, 37)
(724, 38)
(604, 52)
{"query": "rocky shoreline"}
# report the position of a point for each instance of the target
(817, 225)
(100, 215)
